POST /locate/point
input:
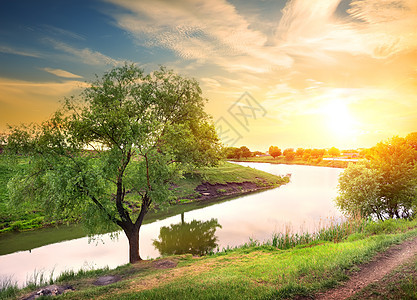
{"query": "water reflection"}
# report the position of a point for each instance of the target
(195, 237)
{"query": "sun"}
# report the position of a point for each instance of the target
(338, 119)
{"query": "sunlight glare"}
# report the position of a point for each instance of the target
(338, 119)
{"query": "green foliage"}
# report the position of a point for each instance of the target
(384, 187)
(359, 190)
(389, 226)
(245, 152)
(127, 137)
(234, 152)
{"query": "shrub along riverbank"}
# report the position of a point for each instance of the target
(206, 184)
(270, 270)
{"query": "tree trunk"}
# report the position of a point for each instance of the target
(133, 237)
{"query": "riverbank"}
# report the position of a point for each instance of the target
(203, 185)
(297, 161)
(254, 271)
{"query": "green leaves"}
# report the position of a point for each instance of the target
(111, 154)
(384, 187)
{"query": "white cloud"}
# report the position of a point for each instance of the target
(10, 50)
(389, 26)
(86, 55)
(376, 28)
(61, 73)
(211, 83)
(209, 31)
(63, 32)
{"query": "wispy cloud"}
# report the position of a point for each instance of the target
(375, 28)
(389, 27)
(215, 32)
(208, 31)
(10, 50)
(61, 73)
(86, 55)
(63, 32)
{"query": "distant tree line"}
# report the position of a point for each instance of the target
(291, 154)
(242, 152)
(288, 153)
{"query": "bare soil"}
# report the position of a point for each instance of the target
(210, 191)
(372, 272)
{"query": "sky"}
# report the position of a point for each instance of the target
(299, 73)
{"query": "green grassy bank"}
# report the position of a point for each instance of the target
(296, 161)
(218, 179)
(252, 271)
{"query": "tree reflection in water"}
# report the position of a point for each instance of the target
(195, 237)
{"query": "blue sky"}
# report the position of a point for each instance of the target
(318, 73)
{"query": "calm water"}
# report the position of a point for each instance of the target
(300, 205)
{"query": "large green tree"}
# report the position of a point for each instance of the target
(111, 154)
(386, 186)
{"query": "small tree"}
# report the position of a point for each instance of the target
(289, 154)
(333, 151)
(232, 152)
(245, 152)
(395, 160)
(386, 187)
(316, 153)
(274, 151)
(120, 147)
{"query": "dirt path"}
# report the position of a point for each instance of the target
(381, 265)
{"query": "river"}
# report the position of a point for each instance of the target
(303, 204)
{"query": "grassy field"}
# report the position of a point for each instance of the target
(30, 217)
(225, 173)
(252, 271)
(297, 161)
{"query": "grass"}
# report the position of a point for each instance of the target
(297, 161)
(226, 172)
(8, 288)
(255, 270)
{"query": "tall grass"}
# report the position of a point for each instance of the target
(330, 230)
(8, 288)
(333, 231)
(39, 278)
